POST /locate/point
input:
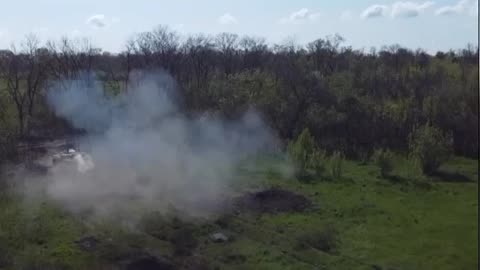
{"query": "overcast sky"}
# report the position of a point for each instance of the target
(432, 25)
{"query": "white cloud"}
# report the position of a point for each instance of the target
(400, 9)
(409, 9)
(300, 16)
(346, 15)
(314, 16)
(97, 21)
(374, 11)
(461, 7)
(101, 21)
(227, 19)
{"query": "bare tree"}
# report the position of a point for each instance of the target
(128, 63)
(72, 58)
(35, 70)
(199, 51)
(324, 52)
(254, 52)
(11, 73)
(165, 46)
(227, 44)
(198, 62)
(63, 62)
(87, 53)
(158, 48)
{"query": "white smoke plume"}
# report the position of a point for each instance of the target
(146, 153)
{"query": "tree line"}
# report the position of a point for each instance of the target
(351, 100)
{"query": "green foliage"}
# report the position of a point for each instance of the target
(309, 160)
(429, 147)
(335, 165)
(363, 156)
(301, 150)
(39, 237)
(317, 161)
(233, 94)
(384, 160)
(305, 155)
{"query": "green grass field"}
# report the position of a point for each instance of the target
(358, 222)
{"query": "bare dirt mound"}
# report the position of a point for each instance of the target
(144, 261)
(148, 263)
(272, 200)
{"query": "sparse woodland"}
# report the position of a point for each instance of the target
(352, 101)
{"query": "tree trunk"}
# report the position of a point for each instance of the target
(21, 121)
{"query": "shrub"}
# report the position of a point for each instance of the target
(363, 157)
(317, 161)
(309, 160)
(383, 159)
(306, 157)
(301, 150)
(429, 147)
(336, 162)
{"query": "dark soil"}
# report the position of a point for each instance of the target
(193, 263)
(148, 263)
(145, 261)
(272, 200)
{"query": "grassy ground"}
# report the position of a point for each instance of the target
(358, 222)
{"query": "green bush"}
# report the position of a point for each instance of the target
(336, 163)
(363, 156)
(307, 159)
(301, 150)
(383, 159)
(317, 161)
(429, 148)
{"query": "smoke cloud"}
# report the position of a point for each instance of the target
(145, 153)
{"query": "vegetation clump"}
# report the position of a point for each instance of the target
(429, 148)
(336, 165)
(307, 159)
(383, 159)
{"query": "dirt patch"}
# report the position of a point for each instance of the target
(148, 263)
(272, 200)
(193, 263)
(145, 261)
